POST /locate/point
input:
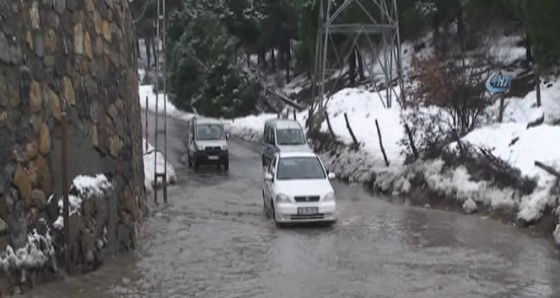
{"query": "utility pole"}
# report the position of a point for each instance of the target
(377, 38)
(161, 37)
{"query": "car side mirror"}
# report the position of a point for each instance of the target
(268, 177)
(331, 175)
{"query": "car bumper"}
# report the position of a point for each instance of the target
(204, 157)
(288, 212)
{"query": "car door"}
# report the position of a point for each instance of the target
(192, 130)
(269, 144)
(269, 185)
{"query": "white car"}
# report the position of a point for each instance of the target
(297, 188)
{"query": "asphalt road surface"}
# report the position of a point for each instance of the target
(213, 240)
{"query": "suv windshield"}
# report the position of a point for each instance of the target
(209, 132)
(289, 136)
(300, 168)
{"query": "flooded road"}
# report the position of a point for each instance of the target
(213, 240)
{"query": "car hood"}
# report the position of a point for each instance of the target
(306, 187)
(211, 143)
(294, 148)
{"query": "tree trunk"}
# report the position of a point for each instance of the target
(248, 60)
(538, 86)
(437, 35)
(288, 60)
(155, 47)
(528, 51)
(461, 30)
(148, 52)
(352, 67)
(273, 57)
(262, 57)
(360, 65)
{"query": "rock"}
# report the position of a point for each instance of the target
(94, 137)
(3, 90)
(106, 31)
(16, 55)
(38, 199)
(109, 3)
(29, 39)
(35, 97)
(59, 6)
(4, 242)
(35, 122)
(3, 118)
(17, 227)
(34, 15)
(54, 104)
(52, 209)
(6, 205)
(115, 146)
(45, 139)
(97, 22)
(51, 42)
(31, 151)
(87, 46)
(72, 4)
(113, 113)
(98, 46)
(13, 96)
(69, 93)
(4, 49)
(90, 5)
(32, 217)
(49, 61)
(78, 39)
(129, 202)
(3, 227)
(469, 206)
(23, 183)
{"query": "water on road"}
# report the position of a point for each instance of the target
(213, 240)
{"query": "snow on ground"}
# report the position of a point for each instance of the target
(146, 91)
(363, 108)
(152, 156)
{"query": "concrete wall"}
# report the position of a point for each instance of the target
(76, 56)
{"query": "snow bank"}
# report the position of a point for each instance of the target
(147, 91)
(151, 156)
(363, 108)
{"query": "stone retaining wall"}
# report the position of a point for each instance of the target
(77, 56)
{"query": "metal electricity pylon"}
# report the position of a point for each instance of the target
(160, 33)
(372, 34)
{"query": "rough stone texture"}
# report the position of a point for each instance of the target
(76, 56)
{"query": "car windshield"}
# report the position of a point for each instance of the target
(208, 132)
(290, 168)
(289, 136)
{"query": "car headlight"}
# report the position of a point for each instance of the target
(330, 197)
(281, 198)
(224, 148)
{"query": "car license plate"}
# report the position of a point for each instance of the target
(212, 157)
(307, 210)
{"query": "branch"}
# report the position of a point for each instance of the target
(548, 169)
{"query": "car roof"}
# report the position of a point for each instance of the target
(207, 121)
(283, 123)
(297, 154)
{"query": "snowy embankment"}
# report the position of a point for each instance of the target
(152, 156)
